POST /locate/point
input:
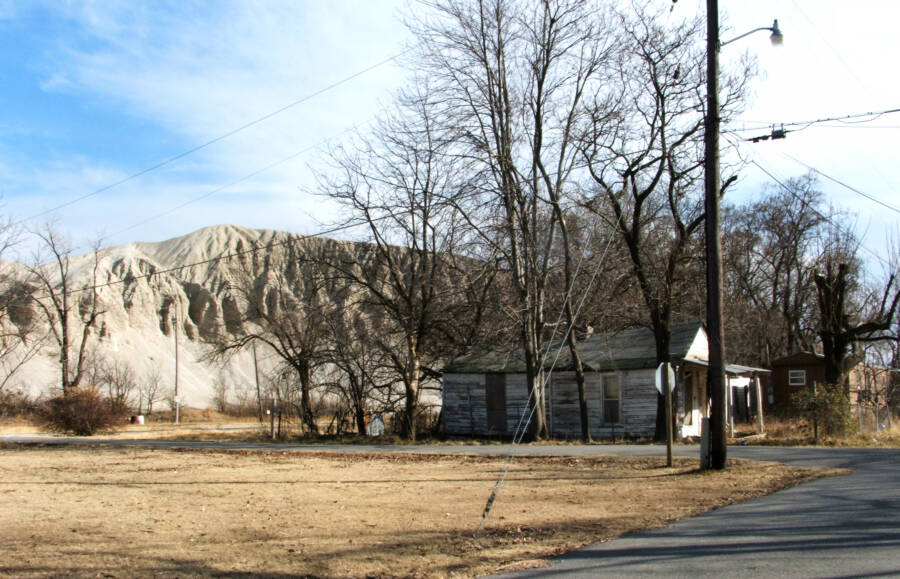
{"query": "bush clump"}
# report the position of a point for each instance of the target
(827, 408)
(81, 411)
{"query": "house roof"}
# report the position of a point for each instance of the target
(806, 358)
(623, 350)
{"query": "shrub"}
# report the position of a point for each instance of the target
(16, 404)
(827, 408)
(82, 411)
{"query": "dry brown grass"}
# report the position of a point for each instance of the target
(799, 432)
(134, 512)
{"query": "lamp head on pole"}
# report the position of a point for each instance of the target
(777, 37)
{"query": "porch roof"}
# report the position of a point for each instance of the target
(733, 369)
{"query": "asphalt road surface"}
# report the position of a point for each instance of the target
(845, 526)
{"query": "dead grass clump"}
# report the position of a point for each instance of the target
(134, 512)
(799, 432)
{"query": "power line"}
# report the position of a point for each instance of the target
(845, 185)
(821, 215)
(222, 137)
(232, 183)
(806, 124)
(525, 420)
(290, 239)
(837, 53)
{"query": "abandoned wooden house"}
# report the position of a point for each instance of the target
(484, 393)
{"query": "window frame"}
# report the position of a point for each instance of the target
(792, 374)
(618, 399)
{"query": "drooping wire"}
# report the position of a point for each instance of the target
(221, 137)
(805, 203)
(523, 424)
(237, 181)
(806, 124)
(845, 185)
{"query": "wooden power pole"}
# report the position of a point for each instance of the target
(714, 328)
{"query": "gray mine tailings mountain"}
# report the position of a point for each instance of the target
(145, 285)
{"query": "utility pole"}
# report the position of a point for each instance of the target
(175, 329)
(715, 378)
(716, 372)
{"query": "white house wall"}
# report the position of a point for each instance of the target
(699, 349)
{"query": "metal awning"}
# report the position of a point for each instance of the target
(733, 369)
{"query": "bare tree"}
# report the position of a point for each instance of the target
(397, 185)
(70, 311)
(363, 367)
(148, 391)
(645, 158)
(282, 295)
(20, 337)
(511, 78)
(770, 248)
(118, 379)
(841, 327)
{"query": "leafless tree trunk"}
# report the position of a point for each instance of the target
(511, 78)
(839, 329)
(148, 391)
(283, 297)
(644, 156)
(396, 185)
(67, 309)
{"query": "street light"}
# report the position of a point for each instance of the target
(716, 371)
(777, 38)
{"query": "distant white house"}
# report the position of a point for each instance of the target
(484, 393)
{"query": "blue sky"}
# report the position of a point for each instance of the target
(96, 91)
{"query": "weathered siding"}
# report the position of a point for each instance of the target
(637, 405)
(516, 401)
(464, 405)
(564, 413)
(639, 402)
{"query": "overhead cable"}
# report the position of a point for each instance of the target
(222, 137)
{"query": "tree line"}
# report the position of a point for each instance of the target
(539, 177)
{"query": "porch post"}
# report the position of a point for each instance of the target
(759, 406)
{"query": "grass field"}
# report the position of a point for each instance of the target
(135, 512)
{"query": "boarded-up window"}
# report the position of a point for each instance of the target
(611, 400)
(495, 401)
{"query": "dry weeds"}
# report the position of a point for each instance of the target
(134, 512)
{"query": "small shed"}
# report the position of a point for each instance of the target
(484, 393)
(867, 385)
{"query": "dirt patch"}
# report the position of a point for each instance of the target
(133, 512)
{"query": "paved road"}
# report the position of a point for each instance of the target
(847, 526)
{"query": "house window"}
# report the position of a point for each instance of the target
(495, 401)
(611, 393)
(797, 377)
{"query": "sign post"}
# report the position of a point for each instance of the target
(665, 383)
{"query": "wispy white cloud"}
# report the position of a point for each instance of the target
(199, 70)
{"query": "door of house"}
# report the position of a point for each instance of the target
(495, 401)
